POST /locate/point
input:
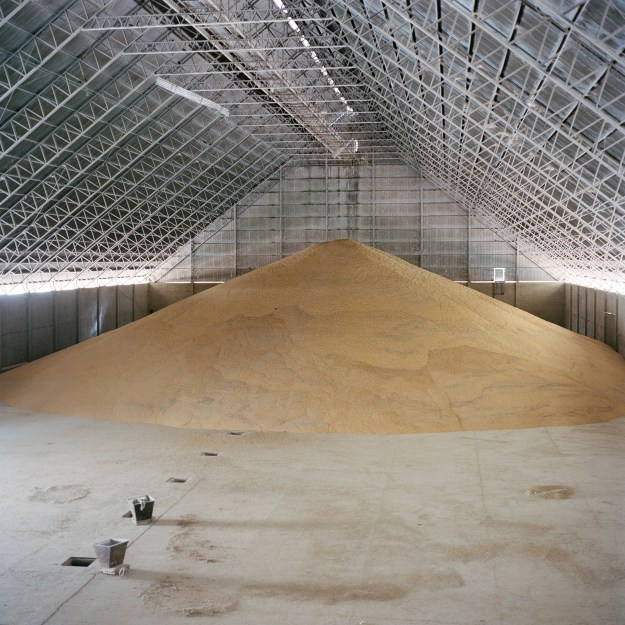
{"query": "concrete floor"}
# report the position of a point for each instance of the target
(312, 529)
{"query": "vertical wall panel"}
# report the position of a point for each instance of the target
(597, 314)
(590, 313)
(600, 315)
(574, 308)
(567, 306)
(611, 320)
(42, 331)
(444, 238)
(215, 261)
(544, 299)
(34, 325)
(87, 314)
(125, 305)
(141, 306)
(620, 337)
(14, 324)
(107, 308)
(66, 319)
(581, 310)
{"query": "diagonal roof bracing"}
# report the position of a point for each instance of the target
(128, 127)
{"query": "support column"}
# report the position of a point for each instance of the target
(117, 306)
(516, 277)
(29, 343)
(191, 269)
(280, 254)
(54, 321)
(77, 309)
(326, 194)
(468, 247)
(236, 242)
(373, 199)
(616, 326)
(98, 325)
(421, 221)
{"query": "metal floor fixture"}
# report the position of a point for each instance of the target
(128, 127)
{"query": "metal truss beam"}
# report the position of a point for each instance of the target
(53, 39)
(516, 110)
(187, 221)
(205, 20)
(562, 206)
(64, 197)
(10, 9)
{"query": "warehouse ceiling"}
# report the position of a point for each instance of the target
(127, 127)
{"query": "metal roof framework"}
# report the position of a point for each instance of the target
(129, 127)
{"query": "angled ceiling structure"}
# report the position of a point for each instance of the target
(127, 127)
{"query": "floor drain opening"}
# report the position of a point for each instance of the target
(127, 515)
(236, 433)
(210, 453)
(75, 561)
(177, 480)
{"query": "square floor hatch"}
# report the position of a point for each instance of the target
(78, 561)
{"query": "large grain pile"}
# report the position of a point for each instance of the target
(338, 338)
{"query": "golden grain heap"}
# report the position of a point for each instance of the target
(337, 338)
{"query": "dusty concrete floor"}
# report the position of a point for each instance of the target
(312, 529)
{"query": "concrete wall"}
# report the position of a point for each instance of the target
(597, 314)
(36, 324)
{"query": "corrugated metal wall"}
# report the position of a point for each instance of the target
(388, 206)
(33, 325)
(597, 314)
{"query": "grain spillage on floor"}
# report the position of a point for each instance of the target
(337, 338)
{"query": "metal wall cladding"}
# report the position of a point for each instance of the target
(33, 325)
(387, 206)
(66, 317)
(41, 324)
(247, 223)
(597, 314)
(14, 330)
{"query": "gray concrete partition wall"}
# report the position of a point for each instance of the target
(597, 314)
(34, 325)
